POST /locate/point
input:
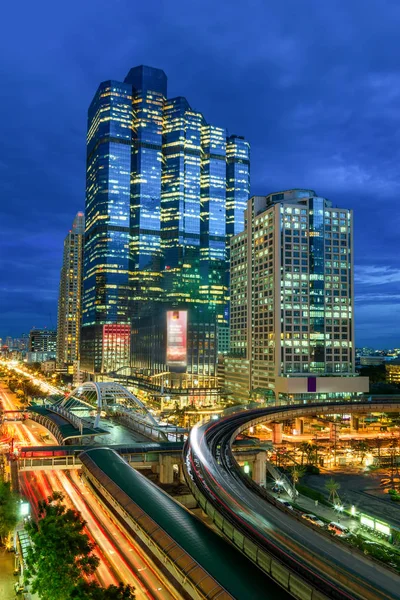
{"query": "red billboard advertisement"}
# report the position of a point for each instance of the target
(176, 338)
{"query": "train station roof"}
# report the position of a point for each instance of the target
(221, 560)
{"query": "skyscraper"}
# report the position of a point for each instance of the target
(292, 301)
(69, 299)
(159, 180)
(105, 333)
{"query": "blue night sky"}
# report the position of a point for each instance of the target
(314, 86)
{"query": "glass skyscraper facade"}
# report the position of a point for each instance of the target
(165, 190)
(237, 183)
(107, 252)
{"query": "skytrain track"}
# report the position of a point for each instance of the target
(306, 562)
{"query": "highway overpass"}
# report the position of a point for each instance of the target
(281, 545)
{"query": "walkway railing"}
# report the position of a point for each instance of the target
(76, 421)
(132, 420)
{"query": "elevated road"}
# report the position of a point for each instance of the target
(307, 562)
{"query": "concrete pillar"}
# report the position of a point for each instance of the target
(299, 425)
(166, 468)
(354, 422)
(181, 475)
(259, 471)
(277, 433)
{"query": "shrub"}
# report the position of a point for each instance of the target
(313, 494)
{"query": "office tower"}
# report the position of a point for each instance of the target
(69, 299)
(105, 329)
(148, 89)
(43, 340)
(292, 301)
(159, 180)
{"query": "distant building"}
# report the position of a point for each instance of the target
(39, 357)
(393, 371)
(292, 330)
(44, 341)
(69, 299)
(372, 361)
(48, 366)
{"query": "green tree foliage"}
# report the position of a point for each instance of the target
(304, 449)
(92, 591)
(333, 487)
(297, 473)
(61, 554)
(376, 373)
(61, 557)
(8, 510)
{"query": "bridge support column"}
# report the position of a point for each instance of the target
(299, 425)
(354, 422)
(277, 433)
(181, 474)
(167, 468)
(259, 473)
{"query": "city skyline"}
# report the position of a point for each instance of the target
(314, 118)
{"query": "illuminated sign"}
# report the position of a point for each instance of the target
(116, 346)
(382, 527)
(367, 521)
(177, 338)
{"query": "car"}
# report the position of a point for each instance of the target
(313, 519)
(285, 503)
(339, 529)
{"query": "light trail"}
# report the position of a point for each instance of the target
(120, 558)
(38, 487)
(124, 571)
(152, 578)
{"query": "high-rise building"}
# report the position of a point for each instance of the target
(162, 186)
(69, 299)
(43, 341)
(292, 301)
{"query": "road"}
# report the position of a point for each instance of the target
(210, 465)
(121, 558)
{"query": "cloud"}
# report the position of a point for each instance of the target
(376, 275)
(314, 86)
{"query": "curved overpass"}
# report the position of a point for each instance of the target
(307, 562)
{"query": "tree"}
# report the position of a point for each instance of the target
(304, 449)
(332, 487)
(8, 510)
(61, 554)
(378, 443)
(92, 591)
(297, 473)
(312, 457)
(61, 558)
(362, 449)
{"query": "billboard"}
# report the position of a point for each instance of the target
(176, 338)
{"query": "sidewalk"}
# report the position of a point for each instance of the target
(7, 578)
